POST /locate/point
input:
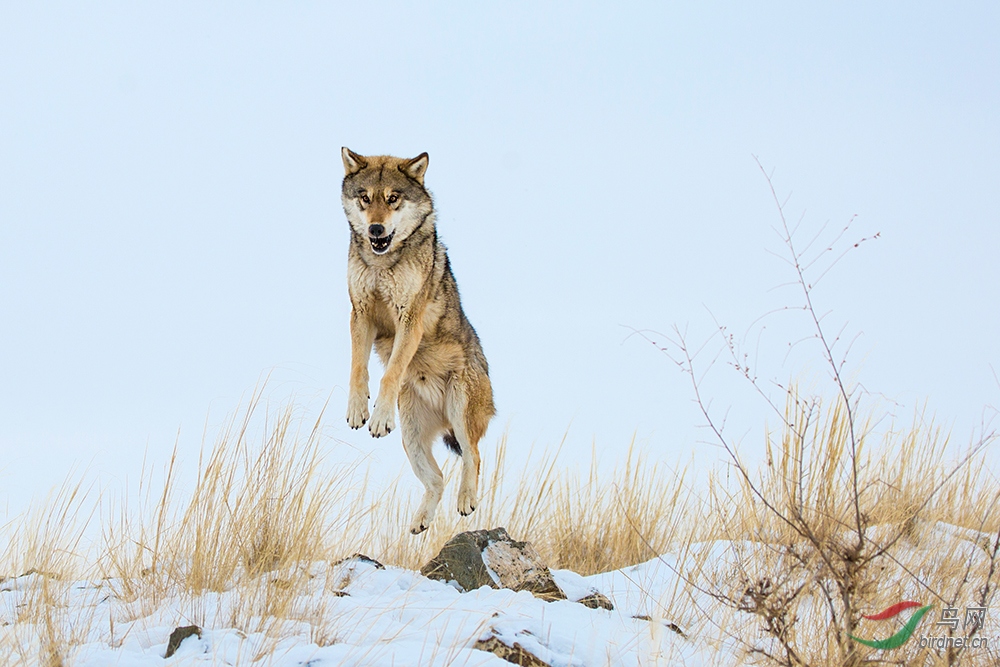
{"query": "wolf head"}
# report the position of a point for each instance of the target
(384, 198)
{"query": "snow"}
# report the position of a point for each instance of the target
(358, 613)
(388, 616)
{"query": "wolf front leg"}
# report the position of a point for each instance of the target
(409, 330)
(362, 338)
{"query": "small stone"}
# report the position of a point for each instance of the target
(364, 559)
(514, 654)
(597, 600)
(178, 636)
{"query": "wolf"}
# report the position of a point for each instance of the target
(405, 302)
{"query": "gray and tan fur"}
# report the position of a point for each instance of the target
(404, 301)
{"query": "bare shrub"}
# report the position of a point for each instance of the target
(833, 526)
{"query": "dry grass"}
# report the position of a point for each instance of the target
(589, 522)
(264, 508)
(49, 552)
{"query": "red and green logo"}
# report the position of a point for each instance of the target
(904, 634)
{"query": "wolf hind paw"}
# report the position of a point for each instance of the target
(466, 502)
(421, 521)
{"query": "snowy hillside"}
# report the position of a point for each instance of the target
(378, 616)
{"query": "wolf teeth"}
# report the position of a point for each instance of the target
(380, 244)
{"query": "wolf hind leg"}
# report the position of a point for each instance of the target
(468, 420)
(420, 425)
(468, 489)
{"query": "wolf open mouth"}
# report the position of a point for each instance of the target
(381, 244)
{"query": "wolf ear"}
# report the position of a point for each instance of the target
(416, 167)
(353, 163)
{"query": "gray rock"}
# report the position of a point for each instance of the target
(492, 558)
(178, 636)
(514, 654)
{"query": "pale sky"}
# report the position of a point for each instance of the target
(171, 227)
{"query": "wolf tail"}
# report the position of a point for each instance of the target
(452, 442)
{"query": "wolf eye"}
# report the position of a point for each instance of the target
(392, 199)
(366, 199)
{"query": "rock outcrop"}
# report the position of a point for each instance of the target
(492, 558)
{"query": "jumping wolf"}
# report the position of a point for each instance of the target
(404, 300)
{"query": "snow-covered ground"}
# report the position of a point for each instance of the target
(375, 616)
(356, 612)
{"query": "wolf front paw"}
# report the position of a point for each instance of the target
(466, 501)
(357, 410)
(383, 419)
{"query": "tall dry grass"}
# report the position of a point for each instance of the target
(264, 507)
(49, 552)
(589, 521)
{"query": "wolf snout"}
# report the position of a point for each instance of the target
(379, 239)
